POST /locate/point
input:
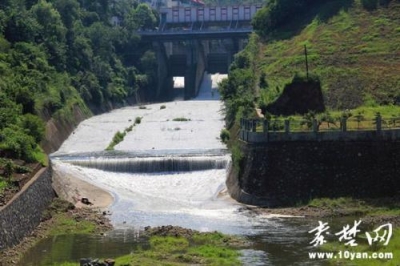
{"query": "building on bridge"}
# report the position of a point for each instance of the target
(157, 4)
(191, 40)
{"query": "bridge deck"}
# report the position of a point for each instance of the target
(197, 30)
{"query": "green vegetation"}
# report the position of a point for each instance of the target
(119, 136)
(162, 107)
(64, 222)
(59, 56)
(369, 207)
(3, 185)
(138, 120)
(350, 49)
(199, 249)
(181, 119)
(70, 225)
(9, 168)
(225, 135)
(205, 249)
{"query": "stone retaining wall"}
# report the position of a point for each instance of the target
(289, 173)
(23, 213)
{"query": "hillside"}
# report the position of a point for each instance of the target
(61, 61)
(353, 48)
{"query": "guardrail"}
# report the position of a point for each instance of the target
(353, 128)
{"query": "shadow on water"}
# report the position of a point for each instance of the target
(70, 248)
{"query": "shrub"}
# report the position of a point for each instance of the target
(138, 120)
(16, 143)
(225, 135)
(163, 107)
(129, 129)
(118, 137)
(34, 126)
(181, 119)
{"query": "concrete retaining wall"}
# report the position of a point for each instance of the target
(23, 213)
(287, 173)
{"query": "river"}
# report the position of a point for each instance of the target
(167, 172)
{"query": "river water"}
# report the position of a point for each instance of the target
(167, 172)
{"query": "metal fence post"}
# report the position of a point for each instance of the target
(315, 125)
(287, 126)
(378, 122)
(265, 126)
(343, 124)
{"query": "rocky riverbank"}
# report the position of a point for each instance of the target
(373, 211)
(60, 217)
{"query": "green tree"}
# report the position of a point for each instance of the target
(141, 18)
(51, 32)
(33, 126)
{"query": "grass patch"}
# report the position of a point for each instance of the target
(68, 225)
(3, 184)
(181, 119)
(40, 156)
(369, 207)
(200, 249)
(64, 222)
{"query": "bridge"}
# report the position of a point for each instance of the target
(193, 39)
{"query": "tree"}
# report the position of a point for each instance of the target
(33, 126)
(69, 11)
(141, 18)
(51, 32)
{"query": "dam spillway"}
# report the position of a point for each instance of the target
(152, 164)
(169, 169)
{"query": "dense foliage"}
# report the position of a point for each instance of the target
(58, 54)
(239, 91)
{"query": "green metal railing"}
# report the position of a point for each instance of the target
(302, 125)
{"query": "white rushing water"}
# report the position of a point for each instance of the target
(193, 199)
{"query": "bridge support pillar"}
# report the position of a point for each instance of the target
(196, 65)
(165, 81)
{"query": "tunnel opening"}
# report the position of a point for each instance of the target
(178, 89)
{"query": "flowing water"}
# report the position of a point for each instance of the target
(167, 172)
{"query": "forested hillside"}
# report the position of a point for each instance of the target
(59, 54)
(353, 49)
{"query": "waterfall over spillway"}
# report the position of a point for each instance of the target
(152, 164)
(166, 171)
